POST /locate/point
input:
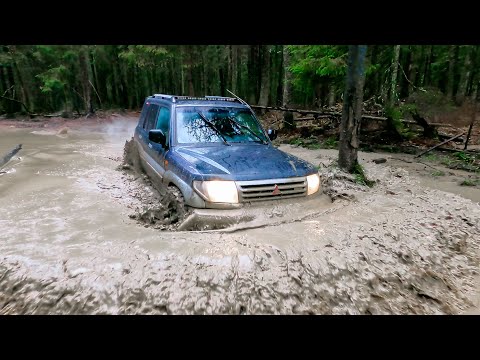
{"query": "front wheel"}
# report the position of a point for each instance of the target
(177, 205)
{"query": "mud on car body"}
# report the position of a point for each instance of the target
(214, 150)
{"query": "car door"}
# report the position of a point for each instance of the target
(158, 151)
(147, 147)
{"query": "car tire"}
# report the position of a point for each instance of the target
(181, 207)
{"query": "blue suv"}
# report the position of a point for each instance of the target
(214, 150)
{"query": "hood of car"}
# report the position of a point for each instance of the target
(245, 162)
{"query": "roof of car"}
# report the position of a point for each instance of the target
(205, 100)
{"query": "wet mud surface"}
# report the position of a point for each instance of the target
(70, 242)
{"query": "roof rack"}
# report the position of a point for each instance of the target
(163, 96)
(173, 98)
(222, 98)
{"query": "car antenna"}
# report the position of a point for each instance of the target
(239, 99)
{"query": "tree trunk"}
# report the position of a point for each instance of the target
(234, 56)
(189, 58)
(428, 131)
(352, 108)
(252, 75)
(474, 115)
(87, 89)
(205, 72)
(405, 75)
(451, 70)
(393, 81)
(331, 95)
(428, 61)
(465, 77)
(265, 82)
(288, 122)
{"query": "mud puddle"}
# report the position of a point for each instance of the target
(68, 245)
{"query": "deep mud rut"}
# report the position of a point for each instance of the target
(69, 246)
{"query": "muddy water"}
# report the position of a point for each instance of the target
(68, 245)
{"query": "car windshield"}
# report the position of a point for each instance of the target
(200, 124)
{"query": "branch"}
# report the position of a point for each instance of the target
(96, 92)
(406, 78)
(21, 103)
(5, 93)
(444, 142)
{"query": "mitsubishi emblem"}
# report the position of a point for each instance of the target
(276, 190)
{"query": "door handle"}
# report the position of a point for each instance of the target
(140, 136)
(149, 145)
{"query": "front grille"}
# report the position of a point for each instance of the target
(258, 190)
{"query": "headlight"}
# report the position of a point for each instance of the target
(217, 191)
(313, 182)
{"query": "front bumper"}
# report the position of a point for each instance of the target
(253, 214)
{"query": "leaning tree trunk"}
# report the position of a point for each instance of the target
(288, 122)
(429, 131)
(352, 108)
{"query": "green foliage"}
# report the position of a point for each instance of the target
(52, 77)
(468, 182)
(438, 173)
(314, 64)
(431, 157)
(143, 55)
(296, 142)
(360, 177)
(464, 157)
(330, 143)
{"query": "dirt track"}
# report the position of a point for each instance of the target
(68, 245)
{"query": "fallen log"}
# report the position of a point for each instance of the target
(312, 118)
(9, 155)
(326, 114)
(438, 145)
(300, 111)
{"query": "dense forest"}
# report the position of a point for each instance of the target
(74, 79)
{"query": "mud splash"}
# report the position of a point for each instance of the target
(163, 208)
(67, 245)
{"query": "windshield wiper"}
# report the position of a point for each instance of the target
(214, 128)
(249, 130)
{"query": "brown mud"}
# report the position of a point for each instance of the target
(68, 246)
(163, 209)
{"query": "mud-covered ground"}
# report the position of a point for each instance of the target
(70, 242)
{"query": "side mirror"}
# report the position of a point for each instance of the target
(157, 136)
(272, 134)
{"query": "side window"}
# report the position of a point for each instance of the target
(143, 115)
(151, 117)
(163, 121)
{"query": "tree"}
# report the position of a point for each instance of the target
(287, 90)
(265, 83)
(393, 82)
(352, 108)
(86, 79)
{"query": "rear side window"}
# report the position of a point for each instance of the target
(151, 117)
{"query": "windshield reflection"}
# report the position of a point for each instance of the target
(231, 125)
